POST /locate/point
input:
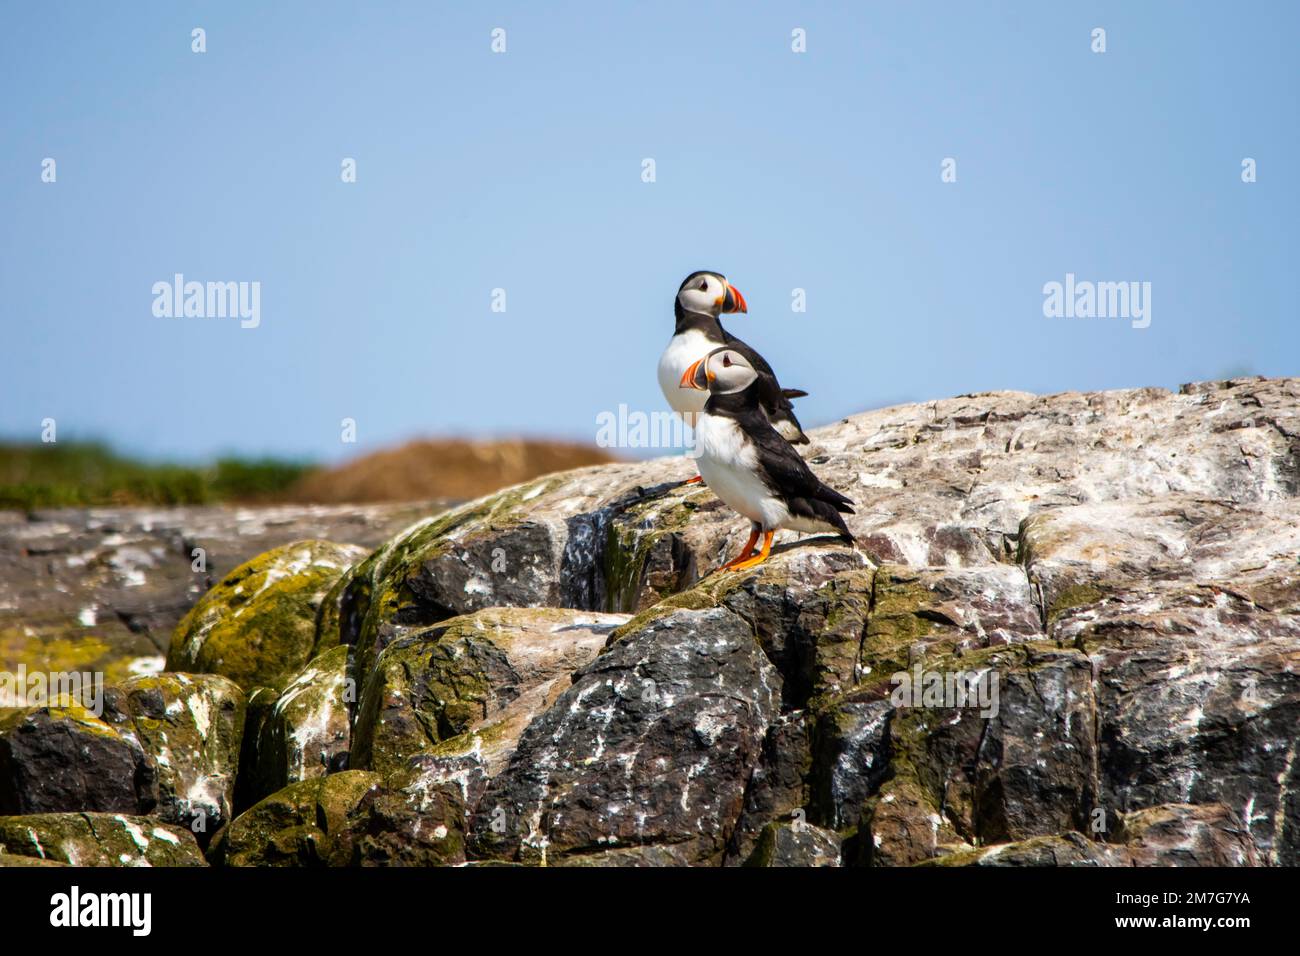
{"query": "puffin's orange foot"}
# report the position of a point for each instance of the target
(745, 552)
(697, 480)
(759, 558)
(753, 562)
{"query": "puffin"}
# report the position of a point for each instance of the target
(748, 464)
(702, 297)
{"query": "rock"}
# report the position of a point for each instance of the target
(779, 785)
(796, 844)
(634, 856)
(300, 825)
(1184, 835)
(251, 784)
(530, 546)
(924, 611)
(417, 817)
(257, 626)
(100, 590)
(1069, 634)
(98, 839)
(1066, 849)
(1168, 835)
(55, 759)
(481, 677)
(652, 744)
(190, 725)
(10, 860)
(1078, 556)
(850, 757)
(1197, 698)
(902, 825)
(945, 483)
(307, 730)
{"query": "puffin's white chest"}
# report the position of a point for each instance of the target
(684, 350)
(728, 464)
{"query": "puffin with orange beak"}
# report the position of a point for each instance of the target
(746, 462)
(702, 297)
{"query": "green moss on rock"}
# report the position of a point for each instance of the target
(257, 626)
(306, 732)
(297, 826)
(191, 725)
(1076, 595)
(98, 839)
(426, 688)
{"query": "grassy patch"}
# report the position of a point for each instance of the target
(84, 474)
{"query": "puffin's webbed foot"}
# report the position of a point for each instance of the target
(745, 552)
(756, 560)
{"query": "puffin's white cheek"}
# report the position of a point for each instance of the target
(694, 300)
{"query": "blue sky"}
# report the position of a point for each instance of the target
(522, 171)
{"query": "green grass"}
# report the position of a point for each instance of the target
(88, 473)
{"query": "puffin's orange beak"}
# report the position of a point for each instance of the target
(733, 301)
(692, 377)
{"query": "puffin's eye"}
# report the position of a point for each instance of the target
(726, 361)
(704, 285)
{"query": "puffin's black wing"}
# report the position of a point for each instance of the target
(788, 474)
(774, 399)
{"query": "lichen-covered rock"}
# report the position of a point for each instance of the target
(653, 744)
(630, 856)
(1197, 700)
(779, 787)
(1121, 567)
(190, 725)
(1184, 835)
(481, 678)
(927, 611)
(306, 732)
(98, 839)
(418, 816)
(1168, 835)
(1065, 849)
(249, 785)
(944, 484)
(257, 626)
(300, 825)
(12, 860)
(796, 844)
(65, 758)
(100, 590)
(851, 757)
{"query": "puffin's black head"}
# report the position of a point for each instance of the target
(709, 293)
(723, 371)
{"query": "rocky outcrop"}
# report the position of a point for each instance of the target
(257, 626)
(297, 826)
(305, 731)
(98, 839)
(796, 844)
(67, 758)
(190, 726)
(1069, 635)
(471, 684)
(652, 744)
(166, 745)
(101, 589)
